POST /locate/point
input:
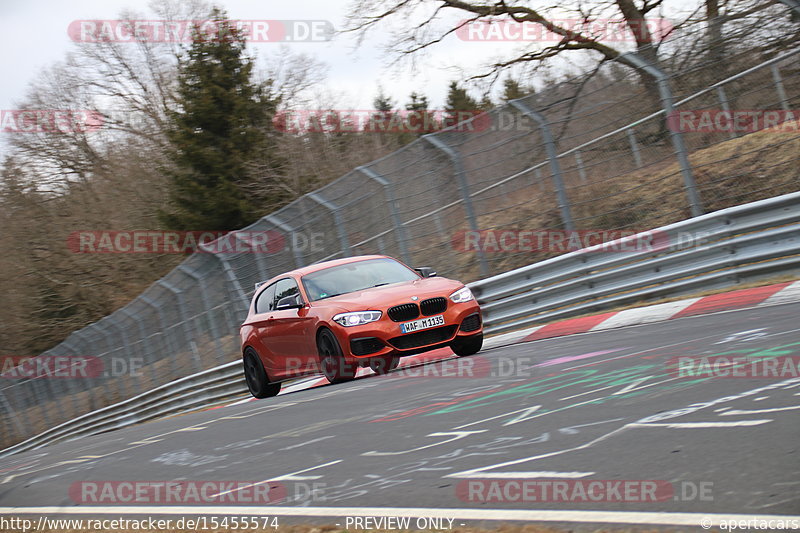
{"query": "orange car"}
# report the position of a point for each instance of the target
(337, 316)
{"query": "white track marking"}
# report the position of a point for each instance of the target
(480, 471)
(532, 475)
(700, 425)
(293, 446)
(287, 477)
(456, 436)
(644, 315)
(523, 415)
(759, 411)
(531, 515)
(786, 295)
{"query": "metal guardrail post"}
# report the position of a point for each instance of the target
(344, 242)
(458, 168)
(399, 229)
(215, 333)
(290, 232)
(636, 61)
(552, 156)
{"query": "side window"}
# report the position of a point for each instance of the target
(266, 300)
(285, 287)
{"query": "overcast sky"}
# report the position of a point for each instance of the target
(33, 35)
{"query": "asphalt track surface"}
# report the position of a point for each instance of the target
(597, 406)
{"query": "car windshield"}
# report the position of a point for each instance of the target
(356, 276)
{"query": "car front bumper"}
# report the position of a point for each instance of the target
(385, 338)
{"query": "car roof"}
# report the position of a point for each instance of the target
(335, 262)
(300, 272)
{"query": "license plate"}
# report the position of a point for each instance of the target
(422, 323)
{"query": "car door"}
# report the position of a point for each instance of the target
(262, 324)
(292, 331)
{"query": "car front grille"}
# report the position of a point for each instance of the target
(433, 306)
(403, 312)
(471, 323)
(423, 338)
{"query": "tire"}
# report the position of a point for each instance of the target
(467, 346)
(334, 367)
(384, 364)
(256, 377)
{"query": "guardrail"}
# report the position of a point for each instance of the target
(738, 244)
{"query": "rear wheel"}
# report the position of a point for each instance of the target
(256, 377)
(334, 366)
(467, 346)
(384, 364)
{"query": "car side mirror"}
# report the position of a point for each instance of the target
(426, 272)
(290, 302)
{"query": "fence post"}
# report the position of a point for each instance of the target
(552, 156)
(794, 5)
(263, 271)
(140, 348)
(103, 334)
(399, 229)
(207, 305)
(341, 230)
(12, 415)
(290, 231)
(579, 163)
(776, 78)
(169, 349)
(184, 320)
(637, 157)
(455, 158)
(723, 102)
(91, 386)
(633, 60)
(68, 383)
(107, 319)
(240, 294)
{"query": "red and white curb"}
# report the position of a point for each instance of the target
(728, 301)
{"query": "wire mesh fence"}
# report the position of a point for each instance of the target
(620, 148)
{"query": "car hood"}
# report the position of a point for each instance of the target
(381, 298)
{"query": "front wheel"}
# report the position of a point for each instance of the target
(256, 377)
(334, 366)
(463, 347)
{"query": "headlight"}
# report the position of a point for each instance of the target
(462, 295)
(357, 318)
